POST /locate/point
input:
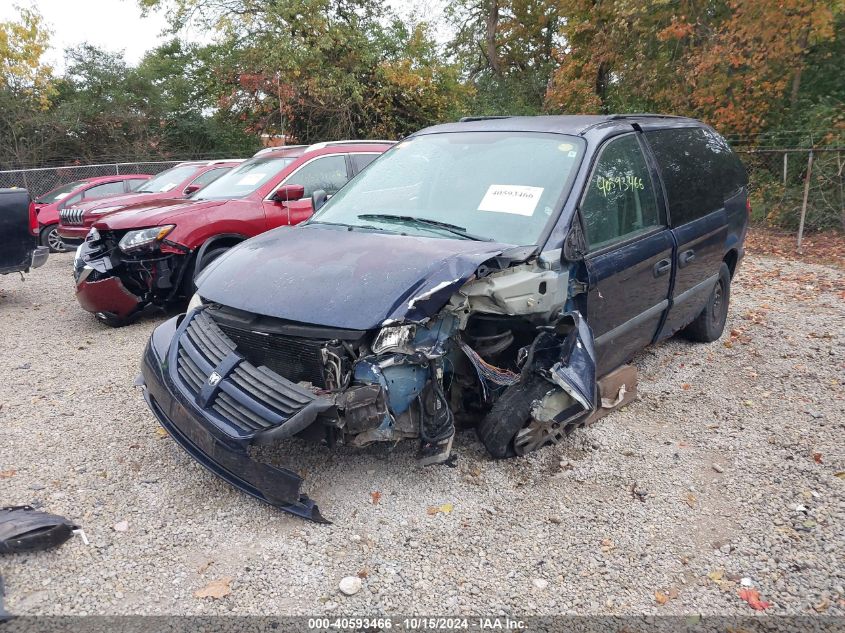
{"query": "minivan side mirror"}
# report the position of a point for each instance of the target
(287, 193)
(575, 244)
(318, 199)
(192, 189)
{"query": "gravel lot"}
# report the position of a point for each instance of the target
(727, 470)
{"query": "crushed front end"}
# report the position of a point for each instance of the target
(118, 273)
(222, 380)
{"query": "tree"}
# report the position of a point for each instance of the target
(322, 69)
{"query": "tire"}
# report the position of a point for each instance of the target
(110, 320)
(188, 285)
(50, 237)
(509, 414)
(709, 325)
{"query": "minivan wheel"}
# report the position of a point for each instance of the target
(510, 414)
(709, 325)
(50, 237)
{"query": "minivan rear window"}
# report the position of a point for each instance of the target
(699, 171)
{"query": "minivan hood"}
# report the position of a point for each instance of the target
(155, 213)
(339, 278)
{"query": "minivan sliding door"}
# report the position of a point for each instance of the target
(690, 161)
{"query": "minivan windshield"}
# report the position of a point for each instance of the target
(244, 179)
(168, 180)
(495, 186)
(60, 192)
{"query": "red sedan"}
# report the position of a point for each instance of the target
(49, 205)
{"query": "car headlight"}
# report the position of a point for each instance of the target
(394, 338)
(105, 210)
(195, 302)
(93, 235)
(144, 238)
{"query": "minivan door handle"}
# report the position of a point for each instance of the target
(662, 267)
(685, 258)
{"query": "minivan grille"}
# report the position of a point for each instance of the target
(297, 359)
(251, 398)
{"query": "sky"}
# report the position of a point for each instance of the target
(115, 25)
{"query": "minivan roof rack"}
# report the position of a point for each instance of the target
(467, 119)
(643, 115)
(323, 144)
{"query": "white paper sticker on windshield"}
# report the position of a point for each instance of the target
(516, 199)
(250, 179)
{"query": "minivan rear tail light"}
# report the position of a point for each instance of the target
(33, 219)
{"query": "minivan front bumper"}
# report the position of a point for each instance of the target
(221, 453)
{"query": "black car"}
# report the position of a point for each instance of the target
(497, 272)
(19, 249)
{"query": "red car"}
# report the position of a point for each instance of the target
(150, 254)
(49, 205)
(179, 181)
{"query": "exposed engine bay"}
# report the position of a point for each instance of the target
(420, 379)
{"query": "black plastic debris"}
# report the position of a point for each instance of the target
(24, 529)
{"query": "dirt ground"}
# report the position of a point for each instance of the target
(720, 490)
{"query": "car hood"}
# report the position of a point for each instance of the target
(154, 213)
(339, 278)
(124, 200)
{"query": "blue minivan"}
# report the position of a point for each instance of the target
(491, 272)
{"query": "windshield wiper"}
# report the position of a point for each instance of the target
(410, 219)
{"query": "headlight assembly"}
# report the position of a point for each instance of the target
(144, 238)
(395, 338)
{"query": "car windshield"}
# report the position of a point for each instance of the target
(167, 180)
(60, 192)
(244, 179)
(497, 186)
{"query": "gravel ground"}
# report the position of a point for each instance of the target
(727, 470)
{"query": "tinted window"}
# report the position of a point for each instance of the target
(134, 183)
(620, 200)
(698, 169)
(210, 176)
(359, 161)
(327, 173)
(101, 191)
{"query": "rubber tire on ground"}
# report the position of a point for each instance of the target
(509, 414)
(44, 238)
(112, 321)
(709, 325)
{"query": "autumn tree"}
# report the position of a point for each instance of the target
(323, 69)
(505, 48)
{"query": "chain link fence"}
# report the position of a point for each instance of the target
(43, 179)
(797, 188)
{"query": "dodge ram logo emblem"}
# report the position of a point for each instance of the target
(214, 378)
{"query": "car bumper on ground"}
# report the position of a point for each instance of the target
(39, 256)
(221, 453)
(107, 296)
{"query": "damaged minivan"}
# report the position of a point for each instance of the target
(496, 272)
